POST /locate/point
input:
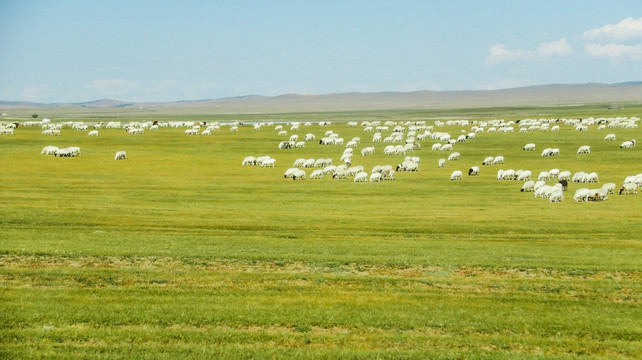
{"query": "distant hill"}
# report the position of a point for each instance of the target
(542, 95)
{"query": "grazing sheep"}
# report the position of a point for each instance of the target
(544, 175)
(269, 163)
(556, 196)
(120, 155)
(488, 160)
(581, 194)
(509, 174)
(539, 184)
(609, 188)
(564, 184)
(609, 137)
(249, 160)
(408, 166)
(456, 175)
(528, 186)
(523, 175)
(298, 175)
(598, 195)
(529, 147)
(454, 156)
(564, 175)
(474, 170)
(361, 176)
(289, 172)
(629, 188)
(308, 163)
(370, 150)
(375, 177)
(340, 174)
(93, 133)
(68, 152)
(585, 149)
(317, 174)
(49, 150)
(442, 163)
(388, 174)
(628, 144)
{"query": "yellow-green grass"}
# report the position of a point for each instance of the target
(179, 251)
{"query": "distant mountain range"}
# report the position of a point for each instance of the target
(541, 95)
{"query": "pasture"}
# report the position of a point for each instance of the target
(179, 251)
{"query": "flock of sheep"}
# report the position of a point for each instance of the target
(410, 135)
(397, 139)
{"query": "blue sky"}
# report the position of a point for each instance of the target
(73, 51)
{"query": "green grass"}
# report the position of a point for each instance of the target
(181, 252)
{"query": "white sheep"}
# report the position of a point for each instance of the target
(528, 186)
(361, 176)
(609, 187)
(369, 150)
(584, 149)
(628, 188)
(628, 144)
(442, 163)
(564, 175)
(609, 137)
(120, 155)
(388, 174)
(340, 173)
(375, 177)
(289, 172)
(456, 175)
(299, 174)
(408, 166)
(308, 163)
(488, 160)
(269, 163)
(509, 174)
(317, 174)
(544, 175)
(529, 147)
(556, 196)
(581, 194)
(454, 156)
(523, 175)
(93, 133)
(249, 160)
(539, 184)
(49, 150)
(474, 170)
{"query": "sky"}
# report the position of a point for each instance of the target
(135, 50)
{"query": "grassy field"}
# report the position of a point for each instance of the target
(181, 252)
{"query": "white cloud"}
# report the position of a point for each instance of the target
(615, 51)
(628, 28)
(109, 87)
(498, 54)
(555, 48)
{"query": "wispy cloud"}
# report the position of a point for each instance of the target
(111, 87)
(615, 51)
(498, 54)
(555, 48)
(628, 28)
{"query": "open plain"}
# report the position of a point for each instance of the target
(179, 251)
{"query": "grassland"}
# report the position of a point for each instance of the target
(181, 252)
